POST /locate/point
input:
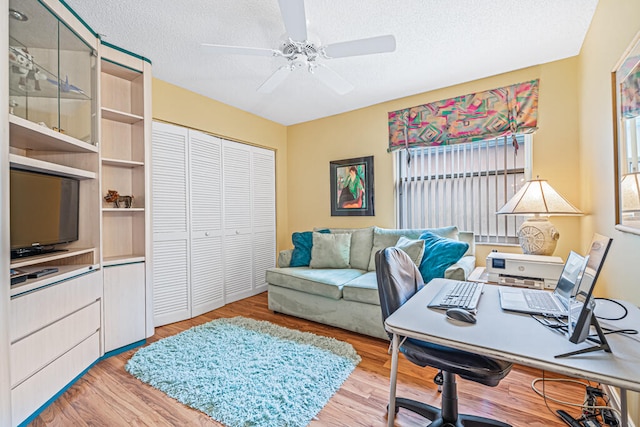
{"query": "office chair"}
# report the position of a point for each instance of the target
(398, 280)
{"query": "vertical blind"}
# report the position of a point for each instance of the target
(463, 185)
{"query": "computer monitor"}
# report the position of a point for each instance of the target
(581, 309)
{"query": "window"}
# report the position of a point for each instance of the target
(463, 185)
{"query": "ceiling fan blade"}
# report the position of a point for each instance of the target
(368, 46)
(331, 79)
(224, 49)
(295, 21)
(275, 79)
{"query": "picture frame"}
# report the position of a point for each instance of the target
(352, 191)
(625, 80)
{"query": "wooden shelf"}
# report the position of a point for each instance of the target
(121, 163)
(120, 116)
(35, 165)
(64, 272)
(122, 210)
(31, 136)
(120, 71)
(122, 259)
(47, 258)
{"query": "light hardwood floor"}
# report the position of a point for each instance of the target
(108, 396)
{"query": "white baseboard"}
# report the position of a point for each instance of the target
(614, 401)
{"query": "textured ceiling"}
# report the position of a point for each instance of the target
(439, 43)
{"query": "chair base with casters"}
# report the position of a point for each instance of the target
(448, 414)
(398, 280)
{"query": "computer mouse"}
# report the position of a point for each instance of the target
(461, 314)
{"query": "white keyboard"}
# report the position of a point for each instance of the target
(458, 294)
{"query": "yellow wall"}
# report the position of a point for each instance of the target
(173, 104)
(613, 27)
(363, 132)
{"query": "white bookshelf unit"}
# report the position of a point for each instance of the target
(125, 120)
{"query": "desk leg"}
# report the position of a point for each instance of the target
(395, 347)
(624, 408)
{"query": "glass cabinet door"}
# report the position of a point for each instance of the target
(51, 72)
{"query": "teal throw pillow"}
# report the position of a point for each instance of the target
(302, 244)
(440, 253)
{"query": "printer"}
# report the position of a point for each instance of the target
(530, 271)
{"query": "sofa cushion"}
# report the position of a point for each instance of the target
(413, 248)
(362, 289)
(302, 244)
(439, 254)
(384, 238)
(324, 282)
(330, 250)
(361, 244)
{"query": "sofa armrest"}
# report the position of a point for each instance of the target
(468, 236)
(284, 258)
(461, 269)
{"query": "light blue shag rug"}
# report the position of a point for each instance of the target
(244, 372)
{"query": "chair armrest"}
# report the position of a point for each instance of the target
(284, 258)
(461, 269)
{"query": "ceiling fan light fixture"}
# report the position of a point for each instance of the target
(300, 52)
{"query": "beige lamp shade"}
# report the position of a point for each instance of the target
(630, 192)
(537, 235)
(537, 197)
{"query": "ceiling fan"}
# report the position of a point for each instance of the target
(299, 52)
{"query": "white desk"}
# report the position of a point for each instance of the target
(518, 338)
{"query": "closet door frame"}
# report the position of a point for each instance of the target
(216, 264)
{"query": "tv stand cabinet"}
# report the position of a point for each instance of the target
(53, 328)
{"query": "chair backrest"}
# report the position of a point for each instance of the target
(398, 279)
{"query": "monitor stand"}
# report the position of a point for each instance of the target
(601, 341)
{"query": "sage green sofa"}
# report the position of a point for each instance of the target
(348, 297)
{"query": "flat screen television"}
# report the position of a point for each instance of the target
(44, 212)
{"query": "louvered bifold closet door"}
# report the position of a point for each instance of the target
(207, 273)
(238, 265)
(264, 215)
(170, 224)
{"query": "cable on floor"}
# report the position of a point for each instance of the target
(582, 405)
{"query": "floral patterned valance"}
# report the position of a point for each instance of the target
(492, 113)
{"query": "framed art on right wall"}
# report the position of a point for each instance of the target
(626, 90)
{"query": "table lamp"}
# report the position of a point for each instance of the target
(630, 193)
(537, 235)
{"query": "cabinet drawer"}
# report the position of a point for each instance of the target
(31, 312)
(35, 351)
(38, 389)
